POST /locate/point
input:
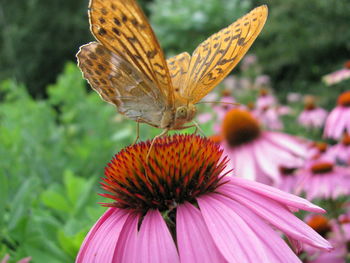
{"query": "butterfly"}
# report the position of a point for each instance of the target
(127, 67)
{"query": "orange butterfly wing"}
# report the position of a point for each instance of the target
(120, 84)
(122, 28)
(219, 54)
(178, 67)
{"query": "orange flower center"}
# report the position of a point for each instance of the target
(344, 99)
(321, 146)
(240, 127)
(320, 224)
(309, 106)
(322, 167)
(251, 105)
(226, 93)
(309, 102)
(346, 139)
(263, 92)
(347, 64)
(216, 138)
(179, 168)
(287, 171)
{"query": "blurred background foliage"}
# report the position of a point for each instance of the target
(304, 39)
(56, 135)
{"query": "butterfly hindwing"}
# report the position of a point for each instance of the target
(219, 54)
(120, 84)
(178, 68)
(122, 28)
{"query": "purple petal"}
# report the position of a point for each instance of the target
(276, 214)
(287, 142)
(276, 249)
(100, 242)
(127, 243)
(194, 241)
(233, 237)
(155, 244)
(244, 163)
(276, 194)
(268, 166)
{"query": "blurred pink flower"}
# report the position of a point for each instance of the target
(338, 120)
(257, 154)
(322, 179)
(319, 150)
(336, 76)
(248, 61)
(204, 117)
(313, 118)
(177, 206)
(23, 260)
(265, 101)
(329, 229)
(293, 97)
(269, 118)
(341, 151)
(262, 80)
(288, 179)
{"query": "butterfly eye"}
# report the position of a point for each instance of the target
(181, 113)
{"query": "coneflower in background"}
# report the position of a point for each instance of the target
(338, 120)
(258, 154)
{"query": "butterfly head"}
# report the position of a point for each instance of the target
(184, 114)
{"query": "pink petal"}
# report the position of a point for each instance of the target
(244, 163)
(276, 194)
(332, 122)
(127, 243)
(233, 237)
(276, 249)
(25, 260)
(276, 214)
(268, 166)
(194, 241)
(101, 241)
(287, 142)
(156, 244)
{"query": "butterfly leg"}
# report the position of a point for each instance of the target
(137, 131)
(164, 132)
(198, 128)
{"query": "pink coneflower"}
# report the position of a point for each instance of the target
(288, 179)
(330, 230)
(336, 76)
(257, 154)
(341, 151)
(312, 116)
(323, 179)
(319, 150)
(265, 99)
(338, 120)
(269, 117)
(293, 97)
(177, 206)
(6, 258)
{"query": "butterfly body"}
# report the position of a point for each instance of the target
(127, 67)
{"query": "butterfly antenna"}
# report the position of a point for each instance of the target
(220, 102)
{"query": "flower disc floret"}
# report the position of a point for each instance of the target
(179, 168)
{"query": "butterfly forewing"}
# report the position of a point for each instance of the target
(119, 83)
(122, 28)
(219, 54)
